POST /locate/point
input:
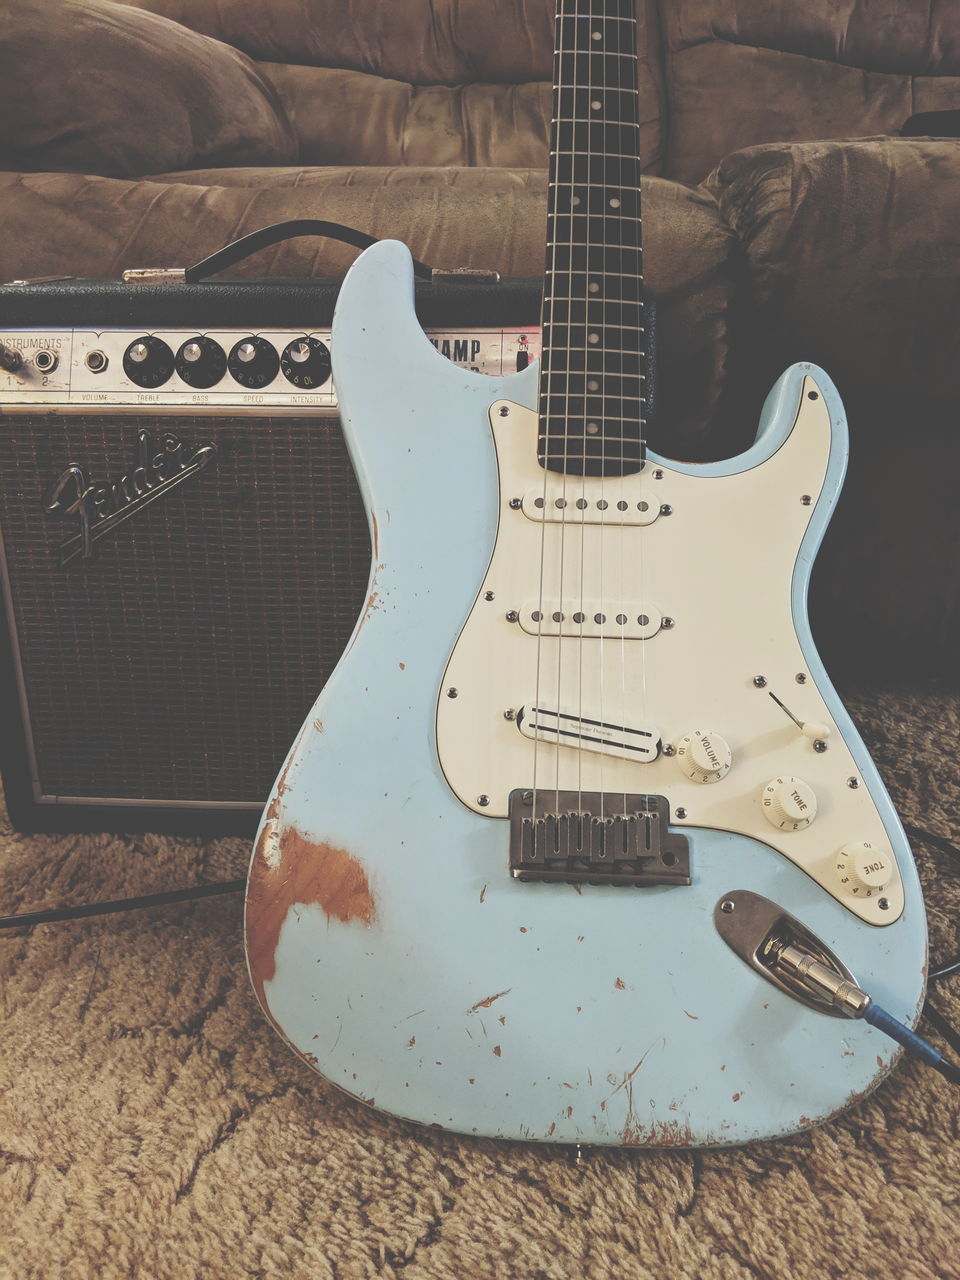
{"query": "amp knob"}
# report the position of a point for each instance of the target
(864, 868)
(201, 362)
(306, 363)
(704, 756)
(253, 363)
(148, 361)
(789, 804)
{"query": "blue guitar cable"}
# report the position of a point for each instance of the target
(855, 1003)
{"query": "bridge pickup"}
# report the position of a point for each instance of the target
(581, 837)
(590, 734)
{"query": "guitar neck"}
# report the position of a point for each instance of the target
(591, 381)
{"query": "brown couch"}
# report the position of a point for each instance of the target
(784, 217)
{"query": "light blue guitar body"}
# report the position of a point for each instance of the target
(386, 937)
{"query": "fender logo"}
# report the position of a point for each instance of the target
(101, 507)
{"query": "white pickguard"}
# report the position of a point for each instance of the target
(721, 567)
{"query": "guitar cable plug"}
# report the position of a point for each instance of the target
(781, 949)
(853, 1002)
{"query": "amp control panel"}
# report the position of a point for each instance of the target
(220, 368)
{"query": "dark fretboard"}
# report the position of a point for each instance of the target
(591, 381)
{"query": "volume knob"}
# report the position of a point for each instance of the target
(864, 868)
(789, 804)
(704, 756)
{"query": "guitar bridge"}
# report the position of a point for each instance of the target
(592, 837)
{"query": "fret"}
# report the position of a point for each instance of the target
(573, 427)
(605, 90)
(608, 438)
(606, 312)
(626, 383)
(600, 295)
(595, 259)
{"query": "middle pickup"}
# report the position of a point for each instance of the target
(621, 621)
(632, 742)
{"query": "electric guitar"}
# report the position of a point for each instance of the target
(582, 708)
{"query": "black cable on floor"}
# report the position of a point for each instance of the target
(28, 918)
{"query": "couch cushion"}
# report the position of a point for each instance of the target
(417, 64)
(91, 86)
(853, 256)
(350, 117)
(739, 73)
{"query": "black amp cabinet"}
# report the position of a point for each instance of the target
(183, 549)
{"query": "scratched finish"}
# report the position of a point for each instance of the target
(386, 939)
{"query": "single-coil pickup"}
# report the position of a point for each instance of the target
(585, 619)
(591, 501)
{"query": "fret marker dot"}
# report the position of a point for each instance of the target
(593, 385)
(595, 35)
(593, 287)
(593, 337)
(592, 428)
(595, 106)
(614, 203)
(574, 200)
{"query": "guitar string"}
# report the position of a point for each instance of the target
(573, 204)
(621, 527)
(545, 398)
(600, 618)
(583, 460)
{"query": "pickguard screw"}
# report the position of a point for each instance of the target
(488, 595)
(801, 678)
(452, 693)
(884, 904)
(806, 499)
(819, 745)
(760, 681)
(658, 475)
(503, 411)
(681, 812)
(853, 783)
(516, 504)
(513, 616)
(669, 749)
(728, 907)
(483, 801)
(666, 509)
(510, 714)
(667, 623)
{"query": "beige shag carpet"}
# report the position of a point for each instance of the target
(152, 1125)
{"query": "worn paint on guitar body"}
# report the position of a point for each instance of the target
(386, 939)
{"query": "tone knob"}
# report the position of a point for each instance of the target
(254, 363)
(789, 804)
(306, 363)
(201, 362)
(864, 868)
(148, 362)
(704, 756)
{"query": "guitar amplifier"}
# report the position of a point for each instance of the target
(183, 548)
